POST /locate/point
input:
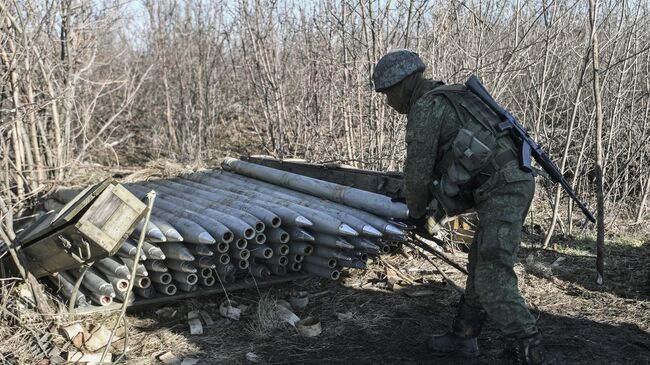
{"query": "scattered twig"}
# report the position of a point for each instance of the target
(418, 241)
(447, 278)
(19, 259)
(151, 197)
(399, 273)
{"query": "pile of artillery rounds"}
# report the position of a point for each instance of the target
(215, 227)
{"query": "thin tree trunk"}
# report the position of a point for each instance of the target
(31, 114)
(639, 214)
(600, 239)
(57, 162)
(565, 155)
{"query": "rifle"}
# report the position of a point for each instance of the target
(528, 146)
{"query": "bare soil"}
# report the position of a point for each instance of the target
(582, 323)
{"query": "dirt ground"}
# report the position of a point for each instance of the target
(582, 323)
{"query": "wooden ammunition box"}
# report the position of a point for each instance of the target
(91, 226)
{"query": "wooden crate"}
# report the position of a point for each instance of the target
(91, 226)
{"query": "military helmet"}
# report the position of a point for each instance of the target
(394, 67)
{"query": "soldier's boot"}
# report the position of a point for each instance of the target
(526, 351)
(462, 338)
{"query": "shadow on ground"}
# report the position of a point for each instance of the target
(582, 324)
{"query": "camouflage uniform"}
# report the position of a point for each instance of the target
(458, 157)
(501, 201)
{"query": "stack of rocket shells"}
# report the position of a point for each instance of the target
(214, 227)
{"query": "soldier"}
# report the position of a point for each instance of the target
(457, 159)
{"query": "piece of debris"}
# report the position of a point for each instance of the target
(227, 310)
(416, 293)
(309, 327)
(530, 260)
(252, 357)
(168, 358)
(189, 361)
(206, 318)
(557, 262)
(71, 331)
(344, 316)
(196, 328)
(286, 314)
(166, 312)
(78, 357)
(299, 300)
(98, 338)
(78, 340)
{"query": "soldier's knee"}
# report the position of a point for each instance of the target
(499, 243)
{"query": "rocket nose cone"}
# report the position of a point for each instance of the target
(205, 237)
(186, 257)
(369, 245)
(173, 235)
(394, 230)
(155, 253)
(347, 230)
(371, 231)
(157, 235)
(307, 237)
(340, 242)
(303, 222)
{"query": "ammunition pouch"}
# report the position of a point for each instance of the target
(497, 162)
(473, 155)
(470, 156)
(470, 152)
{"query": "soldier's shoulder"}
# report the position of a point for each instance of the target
(430, 103)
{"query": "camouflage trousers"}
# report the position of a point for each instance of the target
(502, 204)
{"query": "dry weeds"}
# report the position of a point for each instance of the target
(266, 319)
(584, 323)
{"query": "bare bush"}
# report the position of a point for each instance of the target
(123, 82)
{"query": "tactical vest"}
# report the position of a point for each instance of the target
(476, 152)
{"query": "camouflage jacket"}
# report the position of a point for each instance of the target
(434, 122)
(431, 122)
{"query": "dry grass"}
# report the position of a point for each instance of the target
(583, 322)
(159, 169)
(266, 319)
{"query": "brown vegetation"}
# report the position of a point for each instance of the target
(106, 84)
(125, 82)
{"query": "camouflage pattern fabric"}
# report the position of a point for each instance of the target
(501, 202)
(432, 122)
